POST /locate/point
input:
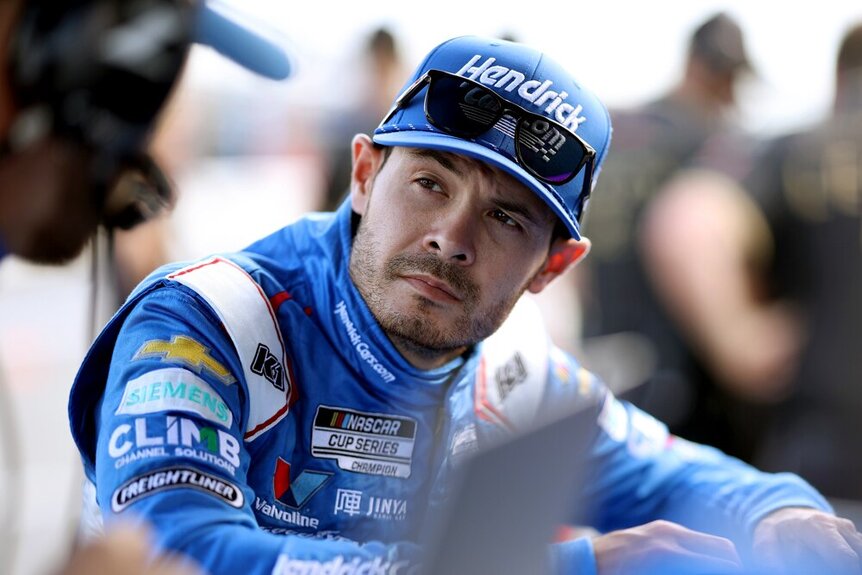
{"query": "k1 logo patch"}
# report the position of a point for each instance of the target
(267, 365)
(371, 443)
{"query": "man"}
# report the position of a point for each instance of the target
(81, 84)
(808, 189)
(380, 73)
(790, 259)
(624, 317)
(298, 407)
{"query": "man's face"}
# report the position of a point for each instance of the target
(445, 247)
(47, 208)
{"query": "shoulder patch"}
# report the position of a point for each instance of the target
(174, 389)
(153, 482)
(188, 352)
(513, 371)
(249, 319)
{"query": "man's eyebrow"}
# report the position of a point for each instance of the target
(439, 157)
(520, 209)
(505, 204)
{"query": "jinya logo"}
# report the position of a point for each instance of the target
(538, 94)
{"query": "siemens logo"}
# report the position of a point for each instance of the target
(172, 389)
(360, 346)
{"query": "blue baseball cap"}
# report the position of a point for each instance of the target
(233, 35)
(522, 76)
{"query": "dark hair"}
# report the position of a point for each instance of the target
(718, 42)
(850, 53)
(560, 231)
(382, 44)
(387, 151)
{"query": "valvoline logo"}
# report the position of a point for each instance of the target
(296, 493)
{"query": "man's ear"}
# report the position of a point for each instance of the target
(564, 253)
(366, 164)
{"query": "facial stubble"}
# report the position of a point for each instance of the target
(416, 330)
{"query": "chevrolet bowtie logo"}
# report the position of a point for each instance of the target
(185, 350)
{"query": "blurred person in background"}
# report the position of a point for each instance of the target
(630, 337)
(81, 85)
(137, 251)
(77, 111)
(382, 73)
(788, 275)
(298, 407)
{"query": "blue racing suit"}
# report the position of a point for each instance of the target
(251, 409)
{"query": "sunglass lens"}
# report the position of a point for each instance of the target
(548, 152)
(461, 107)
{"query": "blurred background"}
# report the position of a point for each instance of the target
(250, 155)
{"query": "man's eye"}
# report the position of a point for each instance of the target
(429, 184)
(504, 218)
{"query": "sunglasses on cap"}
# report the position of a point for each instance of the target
(465, 108)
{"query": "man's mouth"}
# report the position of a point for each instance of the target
(432, 288)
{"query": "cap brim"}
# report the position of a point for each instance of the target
(446, 143)
(219, 27)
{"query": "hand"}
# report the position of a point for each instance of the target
(124, 550)
(661, 548)
(797, 540)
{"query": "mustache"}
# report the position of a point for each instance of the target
(430, 264)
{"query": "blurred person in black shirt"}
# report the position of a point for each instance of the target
(690, 127)
(809, 186)
(791, 240)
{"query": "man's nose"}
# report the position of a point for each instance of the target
(453, 239)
